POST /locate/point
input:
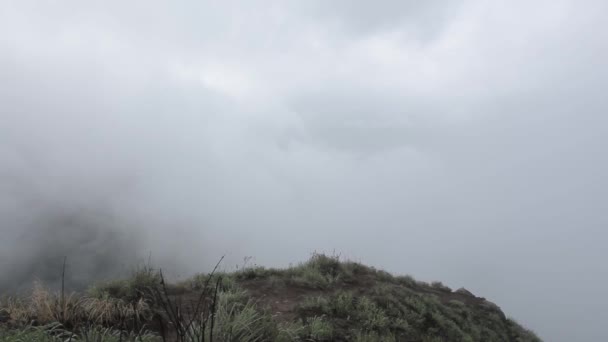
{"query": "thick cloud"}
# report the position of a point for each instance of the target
(460, 141)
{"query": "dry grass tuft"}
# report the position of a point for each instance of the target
(44, 307)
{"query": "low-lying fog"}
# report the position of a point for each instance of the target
(459, 141)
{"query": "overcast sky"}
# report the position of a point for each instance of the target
(461, 141)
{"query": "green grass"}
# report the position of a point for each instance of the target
(143, 279)
(323, 299)
(236, 319)
(56, 333)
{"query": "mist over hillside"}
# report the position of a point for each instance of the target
(460, 140)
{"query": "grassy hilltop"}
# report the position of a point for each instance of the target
(323, 299)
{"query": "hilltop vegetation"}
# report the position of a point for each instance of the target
(323, 299)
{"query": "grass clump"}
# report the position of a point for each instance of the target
(362, 336)
(54, 332)
(198, 282)
(46, 333)
(140, 285)
(371, 316)
(240, 320)
(318, 329)
(290, 331)
(44, 307)
(440, 286)
(320, 272)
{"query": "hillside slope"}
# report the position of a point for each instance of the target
(323, 299)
